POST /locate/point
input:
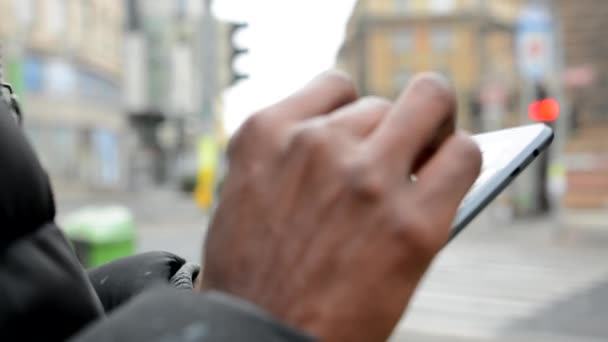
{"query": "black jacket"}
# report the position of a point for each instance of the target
(45, 295)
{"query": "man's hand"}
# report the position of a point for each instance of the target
(319, 222)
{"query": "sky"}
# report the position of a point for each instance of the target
(290, 42)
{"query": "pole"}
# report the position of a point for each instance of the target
(482, 5)
(204, 193)
(208, 68)
(543, 200)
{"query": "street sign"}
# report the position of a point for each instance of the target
(535, 42)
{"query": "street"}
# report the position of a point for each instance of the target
(121, 95)
(526, 281)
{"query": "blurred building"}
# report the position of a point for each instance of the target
(172, 85)
(583, 26)
(469, 41)
(65, 59)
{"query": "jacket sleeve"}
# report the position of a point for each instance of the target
(166, 314)
(43, 289)
(46, 294)
(118, 281)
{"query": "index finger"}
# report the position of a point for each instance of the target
(324, 94)
(424, 109)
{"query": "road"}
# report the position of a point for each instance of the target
(521, 282)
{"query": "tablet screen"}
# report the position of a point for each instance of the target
(504, 154)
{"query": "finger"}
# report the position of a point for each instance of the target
(427, 105)
(361, 117)
(442, 134)
(445, 179)
(324, 94)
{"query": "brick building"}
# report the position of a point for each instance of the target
(469, 41)
(583, 26)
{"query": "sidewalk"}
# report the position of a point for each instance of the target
(518, 281)
(586, 219)
(515, 282)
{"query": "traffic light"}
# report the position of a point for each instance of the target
(543, 108)
(235, 51)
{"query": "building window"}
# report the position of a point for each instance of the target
(96, 87)
(442, 6)
(56, 16)
(402, 6)
(403, 40)
(86, 10)
(59, 77)
(108, 25)
(107, 155)
(32, 74)
(89, 23)
(441, 39)
(24, 12)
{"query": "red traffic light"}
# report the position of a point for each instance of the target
(546, 110)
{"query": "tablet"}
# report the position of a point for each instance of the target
(505, 154)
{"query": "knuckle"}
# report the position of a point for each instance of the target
(310, 137)
(255, 123)
(341, 81)
(365, 180)
(253, 127)
(377, 103)
(436, 86)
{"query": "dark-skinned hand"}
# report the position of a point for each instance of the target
(319, 221)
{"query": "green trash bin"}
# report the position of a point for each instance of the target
(100, 234)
